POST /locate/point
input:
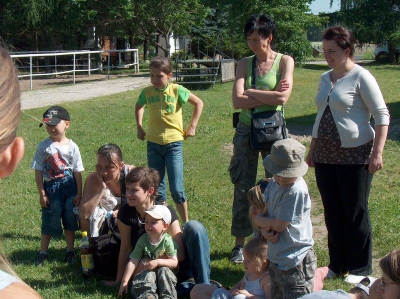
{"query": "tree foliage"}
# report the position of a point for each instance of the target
(373, 21)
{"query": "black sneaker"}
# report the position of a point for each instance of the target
(237, 255)
(70, 257)
(40, 259)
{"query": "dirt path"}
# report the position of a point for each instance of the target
(48, 92)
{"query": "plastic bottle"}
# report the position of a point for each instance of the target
(86, 256)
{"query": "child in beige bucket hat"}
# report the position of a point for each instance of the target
(287, 212)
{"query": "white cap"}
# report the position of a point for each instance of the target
(160, 212)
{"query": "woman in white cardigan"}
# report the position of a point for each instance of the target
(346, 151)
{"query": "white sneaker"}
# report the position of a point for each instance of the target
(354, 279)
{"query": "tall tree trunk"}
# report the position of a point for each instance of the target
(145, 48)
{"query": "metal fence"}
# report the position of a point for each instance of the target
(35, 64)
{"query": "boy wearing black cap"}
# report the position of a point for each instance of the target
(287, 212)
(58, 174)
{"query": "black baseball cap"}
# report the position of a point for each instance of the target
(54, 115)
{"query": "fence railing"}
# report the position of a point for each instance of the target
(35, 64)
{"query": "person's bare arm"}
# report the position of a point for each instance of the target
(376, 159)
(309, 159)
(170, 262)
(78, 182)
(239, 99)
(139, 111)
(277, 225)
(276, 97)
(129, 270)
(18, 290)
(43, 199)
(174, 230)
(198, 108)
(93, 191)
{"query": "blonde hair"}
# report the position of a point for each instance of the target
(256, 198)
(10, 113)
(257, 250)
(10, 105)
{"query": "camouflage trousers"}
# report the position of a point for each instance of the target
(159, 283)
(295, 282)
(243, 173)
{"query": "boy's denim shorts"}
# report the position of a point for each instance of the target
(61, 193)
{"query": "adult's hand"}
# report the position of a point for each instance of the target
(309, 159)
(375, 162)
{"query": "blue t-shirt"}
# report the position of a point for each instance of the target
(293, 204)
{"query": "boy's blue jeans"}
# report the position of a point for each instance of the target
(170, 157)
(61, 193)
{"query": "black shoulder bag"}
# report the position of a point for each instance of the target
(106, 251)
(267, 126)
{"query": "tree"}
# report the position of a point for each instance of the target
(373, 21)
(167, 17)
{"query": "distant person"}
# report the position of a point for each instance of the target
(165, 130)
(58, 173)
(11, 153)
(255, 282)
(346, 151)
(104, 190)
(273, 86)
(287, 211)
(157, 279)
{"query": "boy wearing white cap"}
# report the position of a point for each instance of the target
(287, 212)
(161, 249)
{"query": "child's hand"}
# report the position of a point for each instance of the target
(236, 292)
(270, 235)
(140, 133)
(282, 85)
(77, 200)
(44, 201)
(151, 265)
(189, 132)
(123, 289)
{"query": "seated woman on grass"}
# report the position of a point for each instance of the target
(194, 246)
(104, 190)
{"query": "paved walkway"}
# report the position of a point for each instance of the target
(78, 92)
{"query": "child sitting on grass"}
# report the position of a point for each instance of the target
(160, 248)
(287, 211)
(255, 282)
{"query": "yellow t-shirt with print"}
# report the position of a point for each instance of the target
(165, 124)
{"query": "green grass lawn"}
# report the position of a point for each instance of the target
(209, 190)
